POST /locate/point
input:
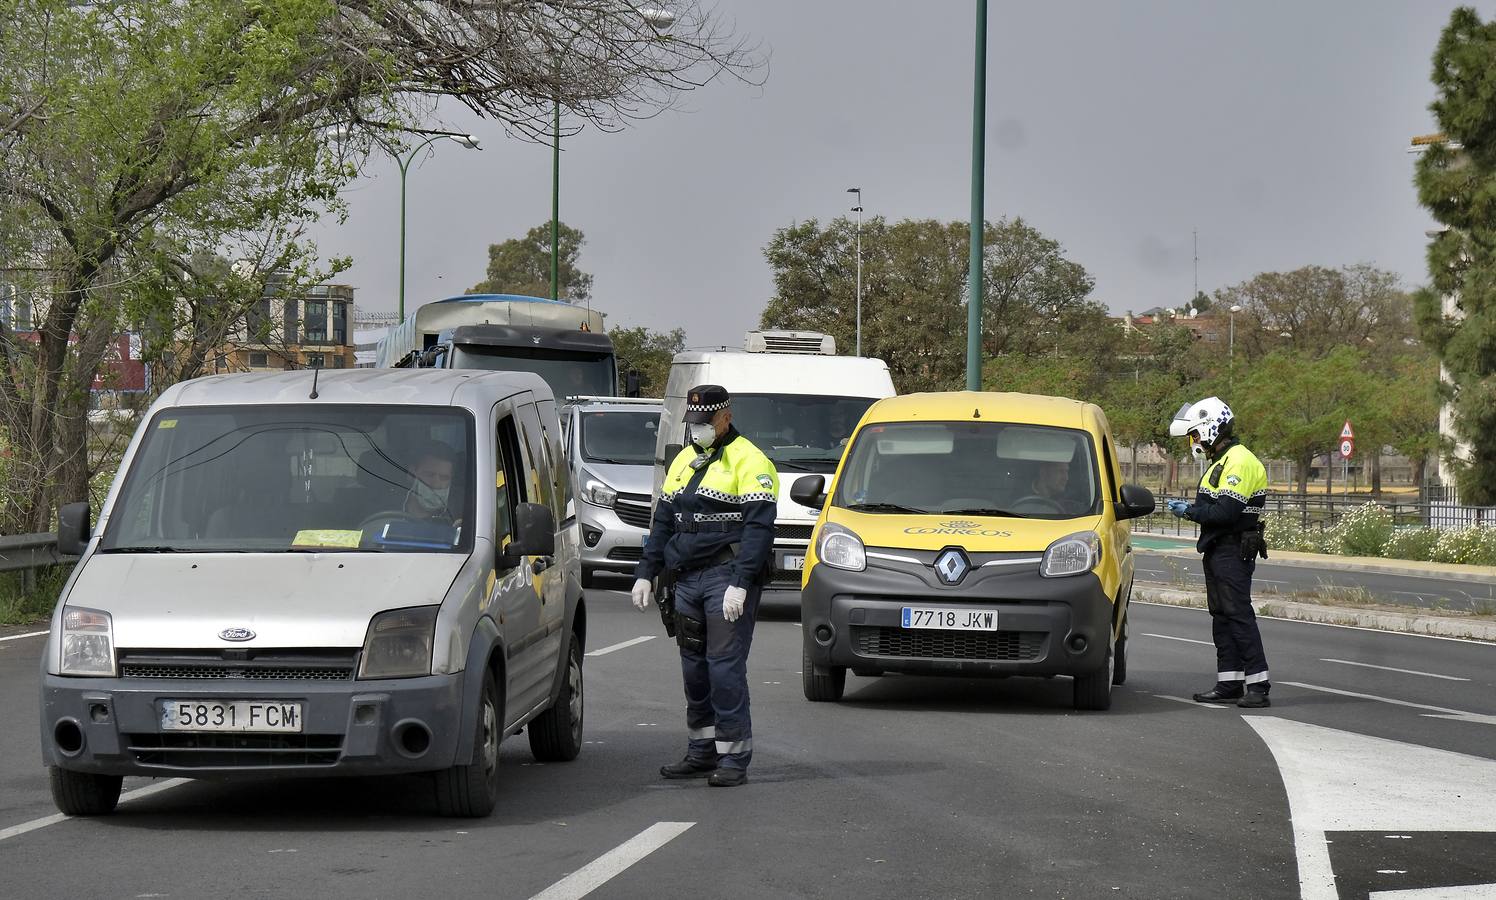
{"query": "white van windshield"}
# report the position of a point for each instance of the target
(799, 433)
(972, 469)
(620, 438)
(287, 478)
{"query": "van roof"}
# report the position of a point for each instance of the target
(787, 373)
(425, 387)
(993, 406)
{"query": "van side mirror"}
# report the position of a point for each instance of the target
(74, 528)
(809, 491)
(1136, 501)
(534, 535)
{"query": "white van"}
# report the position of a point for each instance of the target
(797, 402)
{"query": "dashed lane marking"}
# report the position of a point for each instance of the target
(1191, 702)
(1349, 662)
(43, 822)
(1436, 712)
(17, 637)
(622, 645)
(1170, 637)
(593, 875)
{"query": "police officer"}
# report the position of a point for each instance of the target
(713, 529)
(1228, 507)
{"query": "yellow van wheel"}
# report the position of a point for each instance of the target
(822, 684)
(1094, 691)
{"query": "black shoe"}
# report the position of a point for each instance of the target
(728, 777)
(689, 768)
(1254, 700)
(1219, 694)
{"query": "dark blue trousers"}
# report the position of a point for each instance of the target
(717, 680)
(1233, 623)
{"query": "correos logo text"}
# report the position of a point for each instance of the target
(969, 529)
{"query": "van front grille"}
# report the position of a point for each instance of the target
(249, 665)
(793, 532)
(202, 750)
(633, 509)
(926, 643)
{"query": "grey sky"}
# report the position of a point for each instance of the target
(1279, 128)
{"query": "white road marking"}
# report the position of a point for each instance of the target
(1191, 702)
(1275, 619)
(1348, 662)
(17, 637)
(593, 875)
(44, 821)
(604, 651)
(1170, 637)
(1341, 781)
(1436, 712)
(1460, 892)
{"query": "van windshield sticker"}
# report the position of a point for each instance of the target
(166, 423)
(323, 537)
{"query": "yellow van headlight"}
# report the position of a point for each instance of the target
(841, 548)
(1073, 554)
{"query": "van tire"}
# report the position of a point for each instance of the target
(1094, 691)
(822, 684)
(556, 734)
(471, 791)
(83, 793)
(1119, 656)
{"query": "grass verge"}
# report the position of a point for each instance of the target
(22, 606)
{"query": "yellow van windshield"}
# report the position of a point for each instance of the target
(971, 468)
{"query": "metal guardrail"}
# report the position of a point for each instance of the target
(29, 551)
(1324, 513)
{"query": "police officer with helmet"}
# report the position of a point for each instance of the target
(1228, 507)
(713, 534)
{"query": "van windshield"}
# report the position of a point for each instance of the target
(799, 432)
(971, 469)
(620, 438)
(286, 478)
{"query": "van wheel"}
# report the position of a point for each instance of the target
(1119, 661)
(83, 793)
(471, 791)
(556, 734)
(1094, 691)
(821, 683)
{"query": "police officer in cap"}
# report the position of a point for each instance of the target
(713, 530)
(1228, 506)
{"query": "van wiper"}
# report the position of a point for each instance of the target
(163, 548)
(982, 511)
(610, 461)
(792, 464)
(887, 507)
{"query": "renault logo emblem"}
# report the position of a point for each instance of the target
(237, 634)
(952, 565)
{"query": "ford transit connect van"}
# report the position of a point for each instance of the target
(322, 573)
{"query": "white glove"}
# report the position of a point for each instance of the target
(642, 594)
(733, 601)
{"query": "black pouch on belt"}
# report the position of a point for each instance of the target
(1253, 544)
(665, 600)
(690, 633)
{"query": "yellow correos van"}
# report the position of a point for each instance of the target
(971, 533)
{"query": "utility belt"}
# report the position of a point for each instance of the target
(678, 625)
(1251, 543)
(688, 527)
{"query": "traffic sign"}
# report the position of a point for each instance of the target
(1346, 432)
(1347, 447)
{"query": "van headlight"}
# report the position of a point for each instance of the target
(399, 643)
(596, 492)
(87, 642)
(1073, 554)
(840, 548)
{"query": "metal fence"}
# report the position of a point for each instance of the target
(1430, 510)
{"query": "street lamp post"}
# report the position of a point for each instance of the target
(467, 141)
(660, 20)
(1231, 351)
(978, 161)
(858, 209)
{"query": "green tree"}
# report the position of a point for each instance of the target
(1456, 181)
(128, 127)
(1291, 404)
(1315, 309)
(649, 353)
(523, 265)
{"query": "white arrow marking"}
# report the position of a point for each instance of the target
(1340, 781)
(1438, 712)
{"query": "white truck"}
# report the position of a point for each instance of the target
(797, 401)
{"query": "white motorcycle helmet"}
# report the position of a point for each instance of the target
(1203, 421)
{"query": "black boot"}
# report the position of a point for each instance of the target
(728, 777)
(1223, 692)
(689, 768)
(1254, 700)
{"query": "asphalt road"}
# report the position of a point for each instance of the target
(909, 788)
(1450, 593)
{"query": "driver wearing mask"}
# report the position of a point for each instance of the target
(430, 490)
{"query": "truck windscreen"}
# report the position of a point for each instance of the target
(799, 432)
(569, 375)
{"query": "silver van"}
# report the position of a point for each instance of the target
(322, 573)
(611, 444)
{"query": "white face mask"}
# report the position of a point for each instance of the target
(429, 498)
(1197, 449)
(702, 434)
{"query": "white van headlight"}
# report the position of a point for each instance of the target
(596, 492)
(1073, 554)
(840, 548)
(399, 643)
(87, 642)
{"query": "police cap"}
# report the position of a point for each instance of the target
(703, 401)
